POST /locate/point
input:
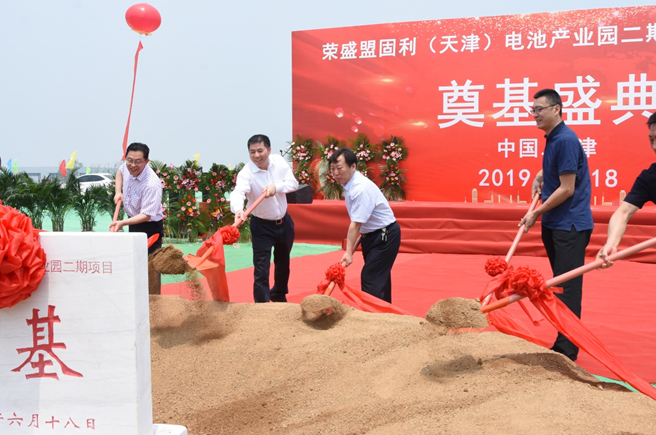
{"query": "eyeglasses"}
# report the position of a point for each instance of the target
(536, 110)
(134, 162)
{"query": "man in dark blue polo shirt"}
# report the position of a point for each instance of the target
(564, 183)
(643, 190)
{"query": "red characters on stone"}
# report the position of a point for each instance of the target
(41, 348)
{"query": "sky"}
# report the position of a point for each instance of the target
(211, 76)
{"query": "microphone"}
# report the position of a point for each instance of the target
(283, 153)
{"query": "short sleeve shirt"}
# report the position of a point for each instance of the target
(563, 154)
(644, 188)
(366, 204)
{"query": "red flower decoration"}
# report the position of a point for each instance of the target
(526, 281)
(495, 266)
(21, 257)
(336, 273)
(230, 234)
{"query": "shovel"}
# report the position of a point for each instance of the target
(151, 240)
(116, 211)
(573, 273)
(230, 233)
(202, 262)
(332, 284)
(515, 243)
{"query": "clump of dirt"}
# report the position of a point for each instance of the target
(169, 260)
(321, 311)
(154, 280)
(195, 286)
(456, 314)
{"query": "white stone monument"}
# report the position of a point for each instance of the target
(75, 356)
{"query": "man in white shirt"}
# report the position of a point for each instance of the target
(372, 218)
(140, 189)
(271, 226)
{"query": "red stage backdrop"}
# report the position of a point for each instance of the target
(458, 91)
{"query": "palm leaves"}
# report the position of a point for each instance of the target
(88, 204)
(32, 198)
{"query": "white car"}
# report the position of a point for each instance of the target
(100, 179)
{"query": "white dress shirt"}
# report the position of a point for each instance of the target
(251, 182)
(366, 204)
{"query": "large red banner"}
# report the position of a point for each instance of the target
(459, 92)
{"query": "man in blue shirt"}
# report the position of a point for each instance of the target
(564, 183)
(372, 218)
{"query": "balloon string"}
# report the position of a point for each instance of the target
(134, 82)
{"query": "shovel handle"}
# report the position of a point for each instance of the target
(250, 209)
(330, 288)
(205, 256)
(116, 212)
(355, 246)
(518, 237)
(520, 231)
(553, 282)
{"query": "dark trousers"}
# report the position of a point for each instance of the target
(566, 251)
(150, 228)
(267, 235)
(379, 256)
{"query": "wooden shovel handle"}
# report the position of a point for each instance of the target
(518, 237)
(250, 209)
(330, 288)
(116, 212)
(520, 231)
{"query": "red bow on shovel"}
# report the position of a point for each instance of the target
(335, 278)
(526, 282)
(210, 259)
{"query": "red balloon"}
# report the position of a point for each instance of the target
(143, 18)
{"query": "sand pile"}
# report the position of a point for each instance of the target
(226, 368)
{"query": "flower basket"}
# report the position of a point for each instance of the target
(393, 153)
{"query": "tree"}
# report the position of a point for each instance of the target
(32, 198)
(59, 204)
(8, 184)
(88, 204)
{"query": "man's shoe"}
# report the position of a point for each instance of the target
(278, 298)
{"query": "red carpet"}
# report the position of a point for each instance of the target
(618, 304)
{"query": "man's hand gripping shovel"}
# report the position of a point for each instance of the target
(112, 228)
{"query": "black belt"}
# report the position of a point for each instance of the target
(268, 222)
(376, 232)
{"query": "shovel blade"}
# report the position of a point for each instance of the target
(199, 263)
